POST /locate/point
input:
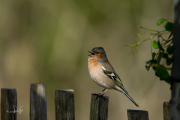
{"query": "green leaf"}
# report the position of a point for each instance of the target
(156, 74)
(163, 74)
(155, 44)
(158, 66)
(165, 55)
(151, 62)
(170, 35)
(160, 46)
(153, 55)
(170, 50)
(168, 81)
(161, 21)
(169, 61)
(168, 26)
(159, 57)
(147, 67)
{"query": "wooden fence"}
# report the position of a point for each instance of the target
(64, 105)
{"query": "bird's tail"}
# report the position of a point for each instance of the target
(126, 93)
(131, 99)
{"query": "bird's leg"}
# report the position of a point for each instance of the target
(103, 91)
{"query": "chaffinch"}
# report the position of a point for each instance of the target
(102, 72)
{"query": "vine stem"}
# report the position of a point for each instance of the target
(159, 50)
(149, 29)
(137, 44)
(150, 38)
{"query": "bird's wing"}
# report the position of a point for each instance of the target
(113, 76)
(110, 72)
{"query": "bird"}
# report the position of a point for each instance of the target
(102, 72)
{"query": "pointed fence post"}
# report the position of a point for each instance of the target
(137, 115)
(99, 107)
(38, 102)
(8, 104)
(64, 105)
(167, 110)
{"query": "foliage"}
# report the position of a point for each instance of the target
(165, 50)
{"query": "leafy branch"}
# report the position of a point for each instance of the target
(165, 50)
(137, 44)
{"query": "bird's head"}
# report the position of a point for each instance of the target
(98, 53)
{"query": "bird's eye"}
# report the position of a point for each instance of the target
(97, 52)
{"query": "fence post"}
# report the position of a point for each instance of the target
(167, 110)
(38, 101)
(99, 107)
(8, 104)
(137, 115)
(64, 105)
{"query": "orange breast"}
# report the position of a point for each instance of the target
(97, 74)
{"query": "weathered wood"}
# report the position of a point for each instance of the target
(166, 110)
(64, 105)
(8, 104)
(137, 115)
(175, 101)
(175, 73)
(99, 107)
(38, 102)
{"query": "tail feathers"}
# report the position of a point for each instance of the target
(123, 90)
(131, 99)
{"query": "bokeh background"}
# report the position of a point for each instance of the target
(43, 41)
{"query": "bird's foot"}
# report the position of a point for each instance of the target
(99, 95)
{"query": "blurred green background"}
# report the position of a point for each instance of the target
(47, 41)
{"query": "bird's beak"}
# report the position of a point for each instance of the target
(92, 53)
